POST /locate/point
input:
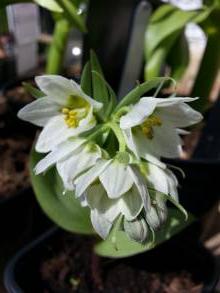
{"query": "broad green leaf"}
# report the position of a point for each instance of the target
(133, 96)
(163, 12)
(160, 30)
(122, 246)
(61, 207)
(50, 5)
(86, 79)
(180, 50)
(154, 64)
(36, 93)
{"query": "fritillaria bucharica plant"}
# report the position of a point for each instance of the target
(96, 165)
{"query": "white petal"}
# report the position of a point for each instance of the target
(96, 105)
(141, 185)
(180, 115)
(153, 219)
(158, 178)
(60, 152)
(116, 179)
(131, 204)
(127, 133)
(172, 184)
(97, 199)
(80, 161)
(40, 111)
(138, 113)
(165, 143)
(55, 132)
(89, 177)
(136, 230)
(55, 86)
(165, 102)
(100, 224)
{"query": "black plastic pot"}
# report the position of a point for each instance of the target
(181, 253)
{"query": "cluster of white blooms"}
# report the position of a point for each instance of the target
(128, 182)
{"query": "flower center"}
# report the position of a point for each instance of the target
(77, 109)
(148, 124)
(72, 117)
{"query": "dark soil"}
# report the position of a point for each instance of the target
(16, 138)
(72, 267)
(14, 175)
(19, 95)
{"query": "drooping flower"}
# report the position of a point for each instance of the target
(65, 111)
(113, 188)
(152, 126)
(71, 157)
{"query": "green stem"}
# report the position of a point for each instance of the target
(207, 72)
(120, 137)
(71, 13)
(58, 46)
(102, 129)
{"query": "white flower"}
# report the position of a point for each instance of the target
(151, 127)
(71, 157)
(65, 111)
(186, 4)
(111, 188)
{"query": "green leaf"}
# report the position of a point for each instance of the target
(86, 79)
(154, 64)
(36, 93)
(111, 102)
(64, 209)
(162, 13)
(160, 30)
(50, 5)
(133, 96)
(95, 65)
(124, 247)
(180, 50)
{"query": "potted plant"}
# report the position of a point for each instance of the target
(98, 177)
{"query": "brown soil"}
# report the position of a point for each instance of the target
(14, 165)
(74, 268)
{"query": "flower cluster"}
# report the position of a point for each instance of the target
(112, 166)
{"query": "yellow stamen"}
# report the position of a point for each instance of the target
(148, 124)
(76, 109)
(71, 117)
